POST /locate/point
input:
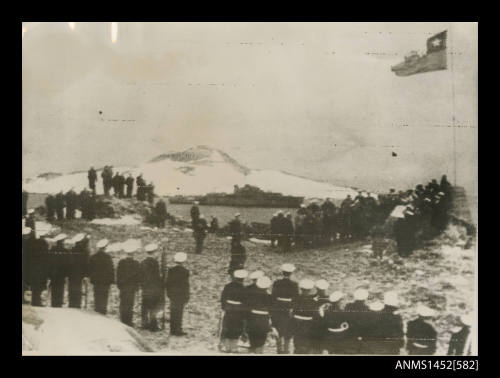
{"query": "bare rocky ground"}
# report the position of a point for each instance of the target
(441, 276)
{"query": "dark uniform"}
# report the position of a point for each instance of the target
(102, 275)
(92, 176)
(286, 234)
(160, 213)
(58, 273)
(335, 328)
(51, 207)
(77, 270)
(233, 301)
(214, 225)
(321, 299)
(152, 291)
(390, 333)
(357, 318)
(25, 203)
(128, 277)
(121, 186)
(39, 271)
(129, 182)
(30, 222)
(178, 293)
(404, 230)
(199, 233)
(71, 202)
(141, 193)
(195, 215)
(284, 292)
(305, 316)
(258, 304)
(421, 337)
(458, 341)
(28, 250)
(238, 258)
(235, 230)
(59, 205)
(273, 230)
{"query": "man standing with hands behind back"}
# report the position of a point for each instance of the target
(178, 293)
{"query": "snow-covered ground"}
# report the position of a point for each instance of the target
(206, 172)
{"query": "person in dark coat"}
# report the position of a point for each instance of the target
(25, 202)
(199, 233)
(404, 231)
(373, 342)
(305, 312)
(334, 324)
(160, 213)
(30, 220)
(259, 302)
(235, 229)
(128, 279)
(284, 292)
(391, 329)
(357, 318)
(51, 207)
(279, 228)
(28, 250)
(177, 286)
(321, 298)
(238, 258)
(59, 269)
(328, 211)
(286, 233)
(152, 288)
(141, 184)
(460, 342)
(345, 218)
(233, 301)
(102, 275)
(59, 204)
(107, 179)
(195, 214)
(214, 225)
(421, 334)
(116, 184)
(273, 229)
(121, 186)
(129, 182)
(77, 269)
(150, 192)
(92, 176)
(71, 202)
(39, 268)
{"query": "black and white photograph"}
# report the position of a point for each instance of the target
(249, 188)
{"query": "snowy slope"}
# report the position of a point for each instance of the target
(197, 171)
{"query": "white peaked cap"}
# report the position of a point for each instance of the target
(42, 232)
(306, 284)
(240, 273)
(391, 299)
(60, 237)
(69, 242)
(102, 243)
(256, 275)
(31, 211)
(263, 282)
(237, 214)
(79, 237)
(322, 284)
(130, 247)
(377, 306)
(467, 319)
(196, 202)
(288, 268)
(151, 247)
(180, 257)
(26, 231)
(361, 294)
(202, 216)
(336, 296)
(425, 311)
(302, 205)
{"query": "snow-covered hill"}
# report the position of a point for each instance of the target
(196, 171)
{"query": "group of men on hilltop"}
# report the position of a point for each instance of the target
(49, 261)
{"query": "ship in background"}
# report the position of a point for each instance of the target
(433, 60)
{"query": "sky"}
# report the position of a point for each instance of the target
(313, 99)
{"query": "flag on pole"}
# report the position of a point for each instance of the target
(433, 60)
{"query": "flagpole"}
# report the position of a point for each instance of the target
(452, 53)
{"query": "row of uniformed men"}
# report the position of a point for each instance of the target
(61, 257)
(317, 323)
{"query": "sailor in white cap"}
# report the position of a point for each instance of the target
(421, 334)
(238, 255)
(461, 338)
(259, 303)
(128, 279)
(357, 315)
(28, 250)
(233, 301)
(254, 276)
(26, 231)
(151, 286)
(58, 269)
(321, 288)
(102, 275)
(78, 261)
(178, 292)
(235, 230)
(284, 292)
(200, 233)
(335, 324)
(305, 315)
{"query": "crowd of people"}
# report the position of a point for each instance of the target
(300, 314)
(424, 214)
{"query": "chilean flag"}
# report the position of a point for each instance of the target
(433, 60)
